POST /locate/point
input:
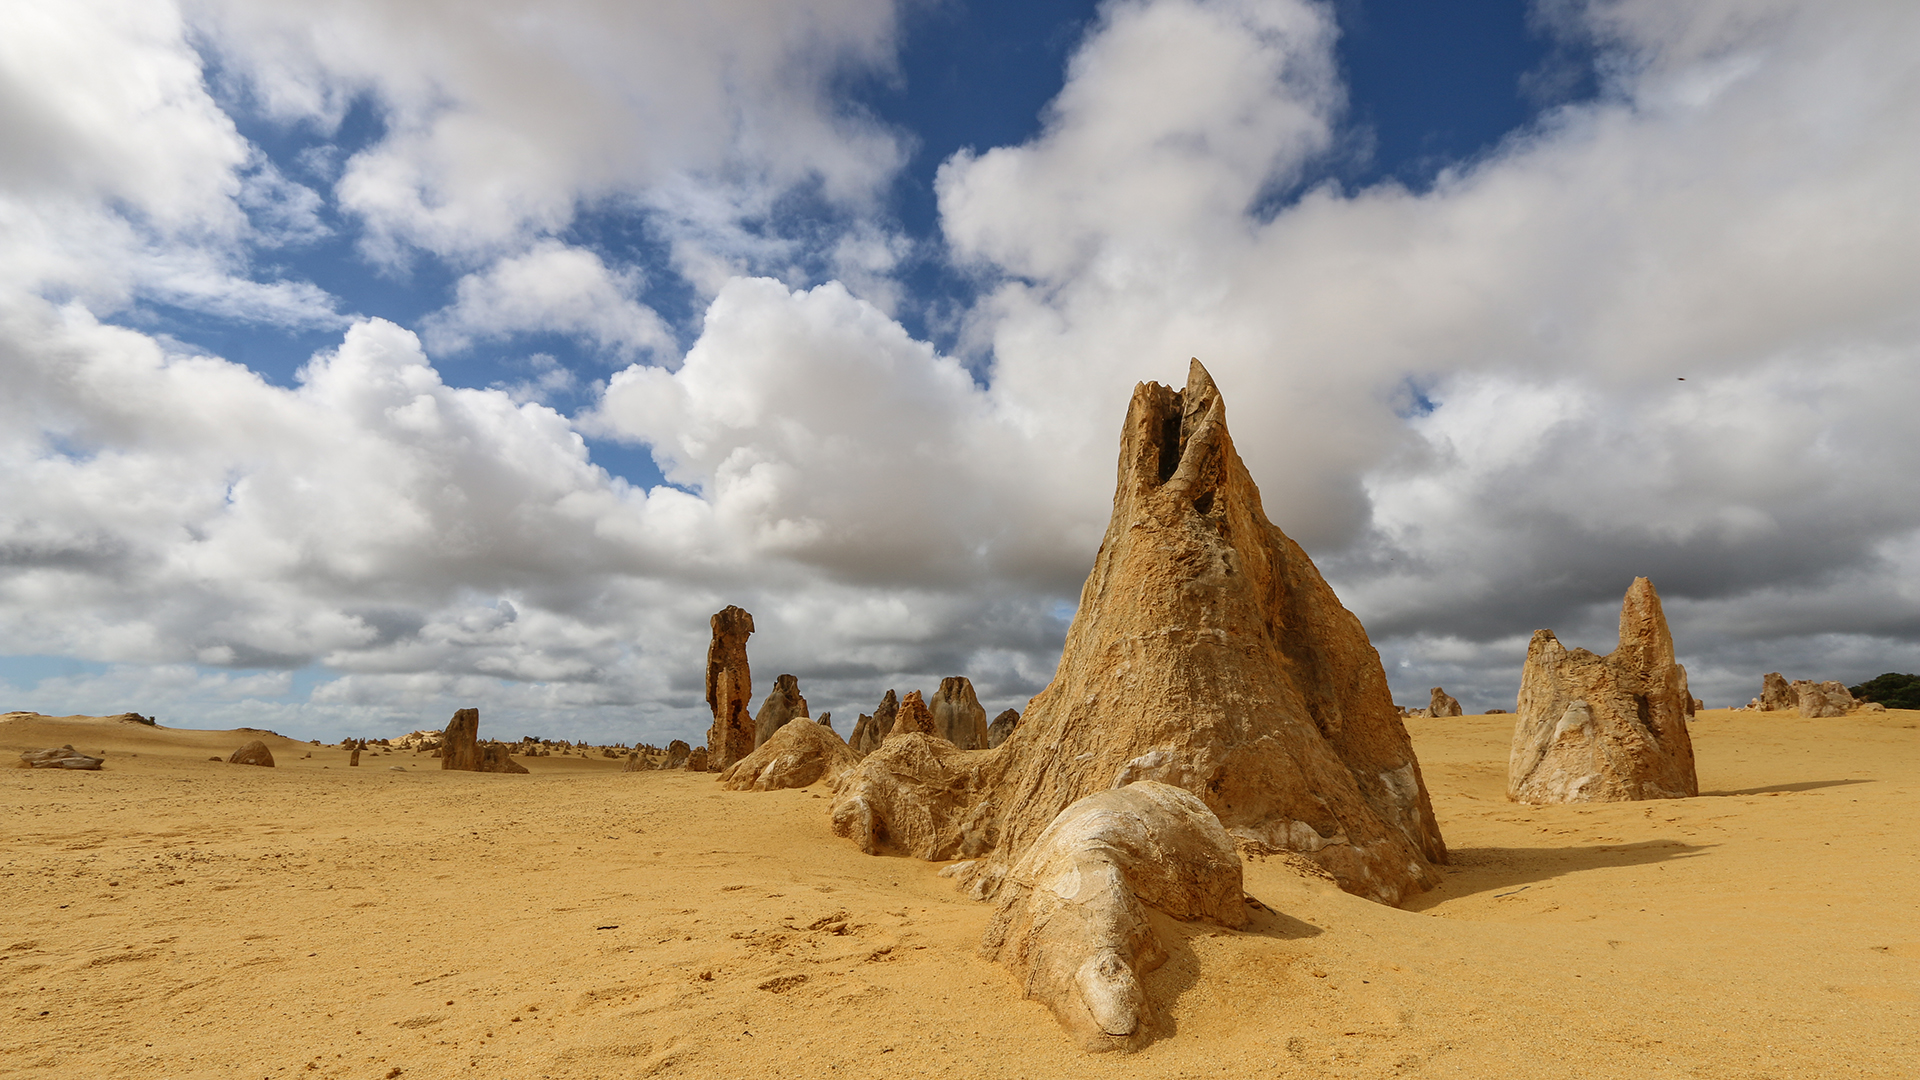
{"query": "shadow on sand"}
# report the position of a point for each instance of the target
(1774, 789)
(1475, 870)
(1165, 984)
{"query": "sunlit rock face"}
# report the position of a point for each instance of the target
(1604, 728)
(1208, 654)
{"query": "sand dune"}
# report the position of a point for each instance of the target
(171, 916)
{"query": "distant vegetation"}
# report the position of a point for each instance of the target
(1893, 690)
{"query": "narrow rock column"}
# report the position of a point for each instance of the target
(729, 688)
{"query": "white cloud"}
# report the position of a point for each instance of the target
(551, 288)
(503, 117)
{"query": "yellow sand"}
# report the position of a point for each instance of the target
(171, 916)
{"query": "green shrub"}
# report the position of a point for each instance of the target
(1894, 690)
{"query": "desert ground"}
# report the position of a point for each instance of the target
(171, 916)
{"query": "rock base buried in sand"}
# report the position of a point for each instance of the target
(1072, 924)
(800, 754)
(698, 760)
(254, 753)
(1607, 728)
(58, 757)
(677, 753)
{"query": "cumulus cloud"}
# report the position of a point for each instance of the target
(1668, 331)
(551, 288)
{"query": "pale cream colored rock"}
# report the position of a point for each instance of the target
(58, 757)
(958, 715)
(783, 704)
(1441, 703)
(1207, 653)
(1604, 728)
(1072, 922)
(1822, 699)
(909, 795)
(729, 687)
(800, 754)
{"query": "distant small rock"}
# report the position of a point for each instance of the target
(1002, 726)
(1441, 703)
(1822, 699)
(1496, 712)
(1776, 694)
(60, 757)
(254, 753)
(698, 759)
(677, 753)
(826, 720)
(1873, 706)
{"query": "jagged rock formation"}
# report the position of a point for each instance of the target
(59, 757)
(826, 720)
(914, 718)
(697, 760)
(783, 704)
(1072, 919)
(1776, 694)
(1441, 703)
(1604, 728)
(799, 754)
(1207, 653)
(958, 715)
(677, 754)
(1817, 699)
(461, 748)
(729, 687)
(863, 739)
(253, 753)
(635, 763)
(1002, 727)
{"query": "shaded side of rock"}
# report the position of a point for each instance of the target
(958, 715)
(783, 704)
(677, 753)
(729, 687)
(1441, 703)
(862, 740)
(253, 753)
(798, 755)
(460, 742)
(1002, 727)
(697, 760)
(1776, 694)
(1604, 728)
(494, 759)
(1072, 922)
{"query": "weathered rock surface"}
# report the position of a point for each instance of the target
(1776, 694)
(253, 753)
(1604, 728)
(677, 754)
(353, 756)
(1816, 699)
(1207, 653)
(697, 761)
(1002, 727)
(783, 704)
(799, 755)
(462, 750)
(958, 716)
(729, 687)
(826, 720)
(914, 718)
(636, 763)
(1072, 920)
(1441, 703)
(911, 795)
(863, 739)
(1873, 706)
(58, 757)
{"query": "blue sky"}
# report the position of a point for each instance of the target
(368, 364)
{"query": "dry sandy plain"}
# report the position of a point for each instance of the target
(171, 916)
